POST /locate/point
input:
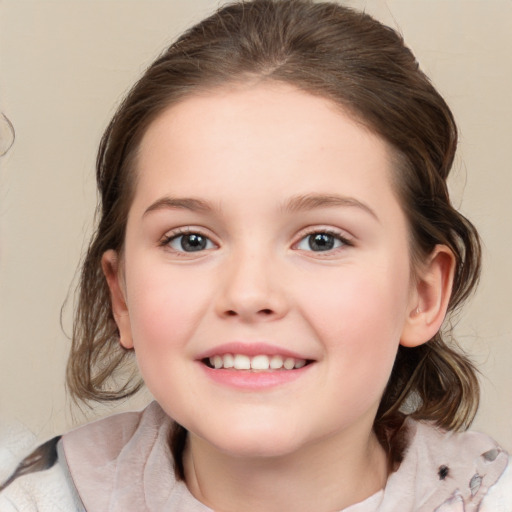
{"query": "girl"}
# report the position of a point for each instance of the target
(277, 250)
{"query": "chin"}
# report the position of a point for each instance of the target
(254, 442)
(259, 449)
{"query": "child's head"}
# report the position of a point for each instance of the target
(318, 56)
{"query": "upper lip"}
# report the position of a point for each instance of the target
(251, 350)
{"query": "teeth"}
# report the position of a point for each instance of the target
(242, 362)
(276, 362)
(289, 363)
(259, 362)
(229, 361)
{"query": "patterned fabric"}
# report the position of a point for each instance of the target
(123, 463)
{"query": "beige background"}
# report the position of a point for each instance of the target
(64, 66)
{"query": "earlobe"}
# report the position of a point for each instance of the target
(113, 274)
(429, 302)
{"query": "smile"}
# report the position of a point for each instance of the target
(255, 363)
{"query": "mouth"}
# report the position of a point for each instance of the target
(254, 367)
(257, 363)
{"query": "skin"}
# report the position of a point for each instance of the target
(271, 165)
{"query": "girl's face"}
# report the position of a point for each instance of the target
(264, 232)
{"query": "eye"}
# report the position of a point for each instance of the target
(189, 242)
(321, 242)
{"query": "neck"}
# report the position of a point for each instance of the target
(332, 474)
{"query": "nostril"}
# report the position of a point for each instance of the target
(246, 314)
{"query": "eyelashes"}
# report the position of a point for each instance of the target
(187, 241)
(322, 241)
(191, 241)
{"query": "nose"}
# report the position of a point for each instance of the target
(252, 289)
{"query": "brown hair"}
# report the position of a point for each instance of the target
(353, 60)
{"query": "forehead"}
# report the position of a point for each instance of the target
(267, 105)
(267, 136)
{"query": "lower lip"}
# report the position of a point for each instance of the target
(254, 380)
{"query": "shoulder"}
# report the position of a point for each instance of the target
(103, 441)
(124, 462)
(82, 465)
(447, 471)
(499, 496)
(16, 442)
(122, 459)
(42, 491)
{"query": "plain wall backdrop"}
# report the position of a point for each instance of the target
(64, 65)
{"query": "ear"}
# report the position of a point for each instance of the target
(114, 276)
(429, 298)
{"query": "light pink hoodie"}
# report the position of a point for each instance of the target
(123, 463)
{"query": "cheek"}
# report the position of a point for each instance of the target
(360, 316)
(165, 307)
(359, 300)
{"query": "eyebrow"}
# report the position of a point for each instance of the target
(185, 203)
(295, 204)
(314, 201)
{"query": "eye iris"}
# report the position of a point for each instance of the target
(193, 242)
(321, 242)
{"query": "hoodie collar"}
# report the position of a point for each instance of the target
(123, 462)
